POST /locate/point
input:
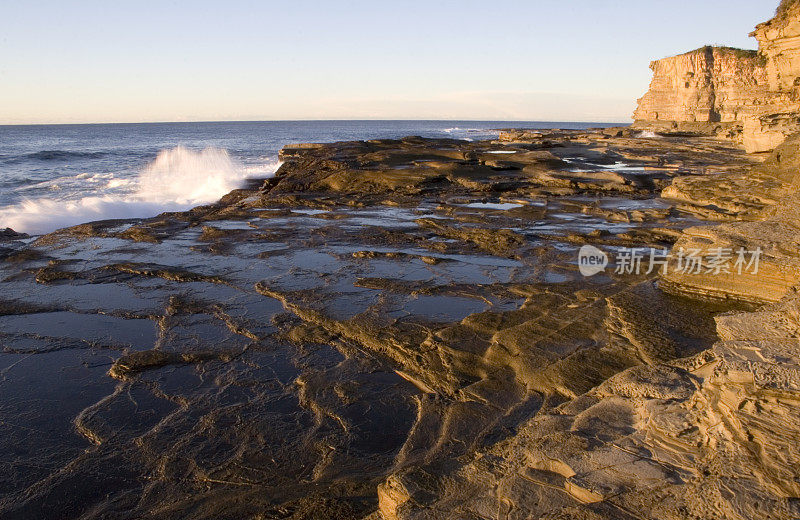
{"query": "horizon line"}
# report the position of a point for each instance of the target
(311, 120)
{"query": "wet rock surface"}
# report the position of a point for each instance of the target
(395, 329)
(708, 436)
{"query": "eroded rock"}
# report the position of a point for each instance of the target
(750, 97)
(363, 334)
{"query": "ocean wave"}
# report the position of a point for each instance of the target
(13, 183)
(60, 155)
(177, 179)
(74, 181)
(119, 183)
(45, 215)
(46, 156)
(186, 176)
(473, 133)
(268, 168)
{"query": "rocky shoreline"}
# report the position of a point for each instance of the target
(560, 324)
(399, 329)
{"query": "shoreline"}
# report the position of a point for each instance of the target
(482, 319)
(78, 186)
(369, 309)
(249, 180)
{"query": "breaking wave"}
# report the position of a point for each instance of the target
(177, 179)
(184, 176)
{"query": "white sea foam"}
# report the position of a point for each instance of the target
(119, 183)
(177, 179)
(268, 168)
(184, 176)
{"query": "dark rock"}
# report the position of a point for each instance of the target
(10, 234)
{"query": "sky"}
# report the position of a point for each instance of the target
(528, 60)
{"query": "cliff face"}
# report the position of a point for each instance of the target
(711, 84)
(779, 43)
(750, 96)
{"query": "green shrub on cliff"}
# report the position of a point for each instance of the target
(745, 54)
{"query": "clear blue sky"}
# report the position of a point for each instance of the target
(119, 60)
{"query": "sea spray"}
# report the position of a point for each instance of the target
(177, 179)
(183, 176)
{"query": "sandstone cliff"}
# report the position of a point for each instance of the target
(749, 96)
(711, 84)
(779, 43)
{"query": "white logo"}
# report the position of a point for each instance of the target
(591, 261)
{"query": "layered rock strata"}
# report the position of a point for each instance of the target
(773, 232)
(709, 85)
(779, 43)
(710, 435)
(338, 341)
(747, 96)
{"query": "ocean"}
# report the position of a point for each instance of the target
(53, 176)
